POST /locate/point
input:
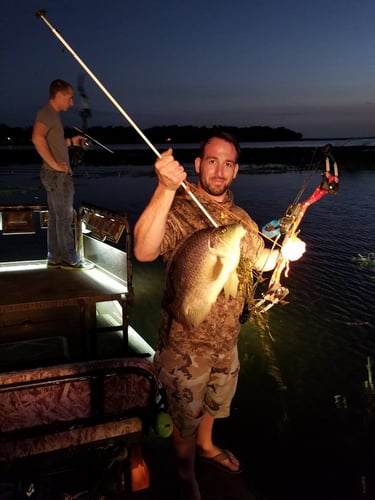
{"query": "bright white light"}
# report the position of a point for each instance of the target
(107, 280)
(25, 265)
(293, 249)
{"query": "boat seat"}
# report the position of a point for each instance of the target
(50, 409)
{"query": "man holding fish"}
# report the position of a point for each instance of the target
(207, 273)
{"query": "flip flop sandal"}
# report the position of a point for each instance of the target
(220, 460)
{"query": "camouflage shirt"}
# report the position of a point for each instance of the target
(220, 329)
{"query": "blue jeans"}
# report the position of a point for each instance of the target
(60, 236)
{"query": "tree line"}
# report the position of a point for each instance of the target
(160, 134)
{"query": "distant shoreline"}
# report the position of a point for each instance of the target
(300, 157)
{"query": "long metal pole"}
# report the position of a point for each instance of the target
(42, 15)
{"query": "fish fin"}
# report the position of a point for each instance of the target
(198, 314)
(217, 268)
(231, 285)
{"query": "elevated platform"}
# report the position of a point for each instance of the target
(78, 306)
(41, 302)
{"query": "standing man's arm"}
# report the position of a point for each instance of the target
(150, 227)
(39, 135)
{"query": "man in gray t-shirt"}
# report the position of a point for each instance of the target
(56, 175)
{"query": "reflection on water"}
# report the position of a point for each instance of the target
(322, 337)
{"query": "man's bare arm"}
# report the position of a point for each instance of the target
(150, 227)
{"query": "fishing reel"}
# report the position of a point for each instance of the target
(275, 295)
(77, 153)
(85, 144)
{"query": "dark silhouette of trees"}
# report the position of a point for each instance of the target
(188, 134)
(174, 134)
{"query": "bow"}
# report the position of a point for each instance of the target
(288, 226)
(85, 113)
(77, 152)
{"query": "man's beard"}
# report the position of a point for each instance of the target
(213, 190)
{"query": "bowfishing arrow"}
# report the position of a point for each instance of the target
(288, 226)
(42, 15)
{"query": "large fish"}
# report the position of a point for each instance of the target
(203, 265)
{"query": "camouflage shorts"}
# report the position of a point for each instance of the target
(196, 384)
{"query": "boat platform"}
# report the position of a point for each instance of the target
(75, 307)
(49, 303)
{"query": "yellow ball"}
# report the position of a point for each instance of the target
(163, 424)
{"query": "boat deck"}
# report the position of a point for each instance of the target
(42, 303)
(43, 288)
(67, 307)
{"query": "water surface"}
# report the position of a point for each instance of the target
(322, 338)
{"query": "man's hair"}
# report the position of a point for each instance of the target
(220, 134)
(58, 86)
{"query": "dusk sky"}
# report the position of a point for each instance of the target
(304, 65)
